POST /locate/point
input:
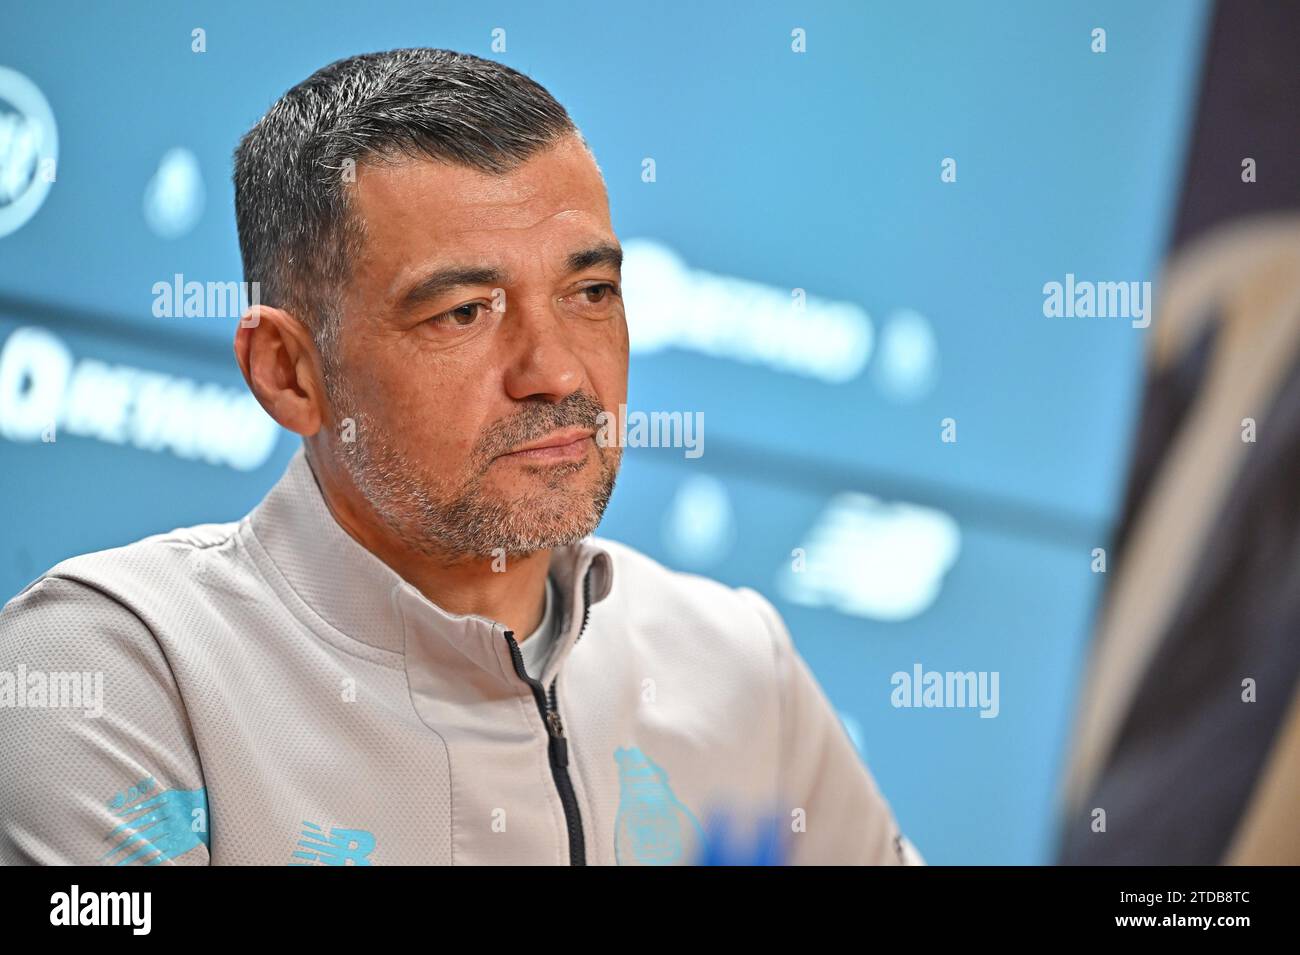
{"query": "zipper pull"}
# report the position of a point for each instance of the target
(559, 745)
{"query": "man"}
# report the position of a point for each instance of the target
(342, 677)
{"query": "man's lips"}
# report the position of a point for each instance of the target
(569, 444)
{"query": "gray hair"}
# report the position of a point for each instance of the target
(297, 235)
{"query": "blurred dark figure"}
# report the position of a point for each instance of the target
(1197, 654)
(1188, 736)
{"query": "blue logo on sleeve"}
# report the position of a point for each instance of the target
(652, 825)
(161, 825)
(335, 847)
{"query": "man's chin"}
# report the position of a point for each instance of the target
(511, 512)
(520, 545)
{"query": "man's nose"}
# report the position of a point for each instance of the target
(540, 359)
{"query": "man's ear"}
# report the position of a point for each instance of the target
(282, 368)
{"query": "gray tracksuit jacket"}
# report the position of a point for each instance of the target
(269, 692)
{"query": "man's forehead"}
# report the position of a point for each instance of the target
(557, 180)
(417, 211)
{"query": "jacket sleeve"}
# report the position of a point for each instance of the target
(836, 814)
(100, 765)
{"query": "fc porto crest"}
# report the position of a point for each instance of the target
(652, 826)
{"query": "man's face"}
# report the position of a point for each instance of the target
(485, 314)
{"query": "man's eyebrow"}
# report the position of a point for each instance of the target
(603, 254)
(444, 280)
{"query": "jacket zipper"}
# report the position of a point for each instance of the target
(558, 743)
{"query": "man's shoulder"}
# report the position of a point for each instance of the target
(159, 563)
(102, 609)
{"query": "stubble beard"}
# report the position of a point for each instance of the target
(463, 520)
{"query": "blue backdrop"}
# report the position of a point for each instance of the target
(779, 178)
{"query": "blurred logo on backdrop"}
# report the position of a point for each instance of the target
(46, 392)
(672, 304)
(173, 200)
(864, 557)
(871, 558)
(788, 331)
(700, 525)
(29, 149)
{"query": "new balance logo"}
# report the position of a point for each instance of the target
(333, 847)
(160, 824)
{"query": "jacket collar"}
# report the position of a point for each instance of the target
(357, 594)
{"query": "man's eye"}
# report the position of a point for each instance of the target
(461, 316)
(605, 289)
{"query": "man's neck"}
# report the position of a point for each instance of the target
(514, 595)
